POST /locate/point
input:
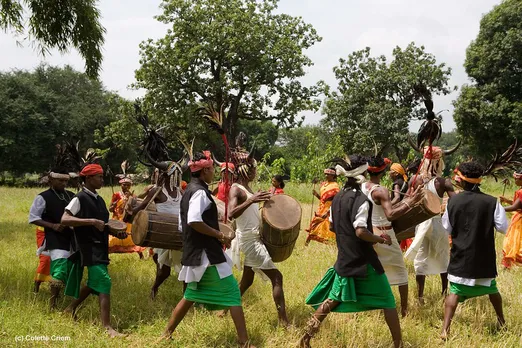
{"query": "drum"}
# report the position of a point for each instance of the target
(220, 208)
(116, 226)
(132, 203)
(409, 233)
(156, 230)
(227, 230)
(281, 225)
(428, 207)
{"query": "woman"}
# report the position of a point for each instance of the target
(278, 184)
(319, 229)
(400, 182)
(512, 249)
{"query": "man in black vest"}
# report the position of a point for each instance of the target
(46, 212)
(206, 270)
(88, 214)
(357, 281)
(472, 217)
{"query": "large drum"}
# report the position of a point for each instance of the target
(156, 230)
(132, 203)
(281, 225)
(428, 207)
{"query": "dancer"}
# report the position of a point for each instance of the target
(400, 182)
(357, 281)
(382, 213)
(207, 271)
(319, 229)
(278, 185)
(472, 217)
(512, 248)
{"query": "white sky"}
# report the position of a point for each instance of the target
(444, 27)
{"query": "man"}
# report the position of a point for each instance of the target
(244, 208)
(382, 214)
(46, 213)
(206, 269)
(357, 281)
(471, 218)
(88, 214)
(430, 248)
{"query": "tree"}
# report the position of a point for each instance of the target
(233, 52)
(58, 24)
(488, 112)
(375, 99)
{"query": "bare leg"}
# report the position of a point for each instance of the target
(246, 281)
(85, 291)
(105, 314)
(496, 301)
(392, 319)
(278, 294)
(317, 318)
(450, 307)
(403, 291)
(37, 286)
(178, 313)
(140, 254)
(162, 273)
(421, 280)
(239, 321)
(444, 283)
(56, 288)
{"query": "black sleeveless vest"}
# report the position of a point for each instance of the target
(471, 215)
(353, 254)
(54, 208)
(194, 242)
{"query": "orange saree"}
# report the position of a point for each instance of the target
(319, 229)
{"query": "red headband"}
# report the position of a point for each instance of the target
(231, 166)
(387, 162)
(91, 169)
(202, 163)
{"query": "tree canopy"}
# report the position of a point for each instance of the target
(58, 24)
(488, 112)
(233, 52)
(375, 99)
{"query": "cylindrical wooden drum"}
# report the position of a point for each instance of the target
(133, 203)
(428, 207)
(157, 230)
(281, 225)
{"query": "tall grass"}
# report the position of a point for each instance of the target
(24, 313)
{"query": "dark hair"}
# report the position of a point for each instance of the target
(280, 179)
(471, 169)
(197, 157)
(376, 161)
(413, 167)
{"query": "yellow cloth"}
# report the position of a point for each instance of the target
(122, 245)
(319, 229)
(398, 168)
(512, 248)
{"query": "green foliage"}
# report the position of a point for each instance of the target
(488, 113)
(233, 52)
(375, 99)
(58, 24)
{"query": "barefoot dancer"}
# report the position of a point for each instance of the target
(472, 217)
(357, 281)
(206, 269)
(88, 214)
(46, 213)
(512, 248)
(244, 208)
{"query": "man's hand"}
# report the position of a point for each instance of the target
(416, 197)
(58, 227)
(260, 196)
(98, 224)
(121, 235)
(387, 239)
(225, 240)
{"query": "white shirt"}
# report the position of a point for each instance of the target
(361, 218)
(37, 209)
(198, 204)
(501, 225)
(74, 205)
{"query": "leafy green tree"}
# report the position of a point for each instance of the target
(375, 99)
(233, 52)
(488, 112)
(58, 24)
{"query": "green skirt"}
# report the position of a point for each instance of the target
(60, 269)
(98, 280)
(354, 294)
(464, 291)
(213, 292)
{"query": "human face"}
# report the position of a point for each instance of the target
(330, 177)
(275, 183)
(518, 182)
(207, 174)
(392, 175)
(125, 187)
(95, 181)
(58, 184)
(252, 172)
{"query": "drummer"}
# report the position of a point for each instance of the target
(244, 208)
(382, 213)
(88, 214)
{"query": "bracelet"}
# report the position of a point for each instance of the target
(409, 207)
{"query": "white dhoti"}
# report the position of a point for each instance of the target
(170, 258)
(430, 250)
(392, 260)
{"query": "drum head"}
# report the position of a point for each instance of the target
(227, 230)
(140, 227)
(117, 225)
(282, 212)
(431, 202)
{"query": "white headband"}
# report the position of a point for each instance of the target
(354, 173)
(58, 175)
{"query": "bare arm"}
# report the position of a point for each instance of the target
(73, 221)
(367, 236)
(448, 187)
(144, 203)
(517, 205)
(382, 196)
(46, 224)
(396, 194)
(238, 201)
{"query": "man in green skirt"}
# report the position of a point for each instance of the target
(472, 217)
(357, 281)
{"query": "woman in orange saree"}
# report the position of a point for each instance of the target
(319, 229)
(512, 248)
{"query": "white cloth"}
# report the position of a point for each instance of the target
(430, 250)
(74, 205)
(389, 255)
(167, 257)
(37, 209)
(501, 225)
(198, 204)
(361, 218)
(56, 254)
(249, 240)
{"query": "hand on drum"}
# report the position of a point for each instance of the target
(226, 240)
(387, 238)
(99, 224)
(260, 196)
(416, 196)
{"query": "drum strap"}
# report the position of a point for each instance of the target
(158, 190)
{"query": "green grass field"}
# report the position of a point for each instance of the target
(23, 313)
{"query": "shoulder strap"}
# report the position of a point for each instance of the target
(158, 190)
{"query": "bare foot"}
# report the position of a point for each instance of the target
(246, 345)
(222, 314)
(113, 333)
(404, 312)
(164, 337)
(444, 335)
(421, 301)
(153, 293)
(304, 342)
(70, 312)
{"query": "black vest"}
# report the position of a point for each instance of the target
(353, 254)
(471, 215)
(92, 244)
(194, 242)
(54, 208)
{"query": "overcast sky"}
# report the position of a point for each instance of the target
(444, 27)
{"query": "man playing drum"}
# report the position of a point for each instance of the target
(244, 208)
(382, 213)
(206, 270)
